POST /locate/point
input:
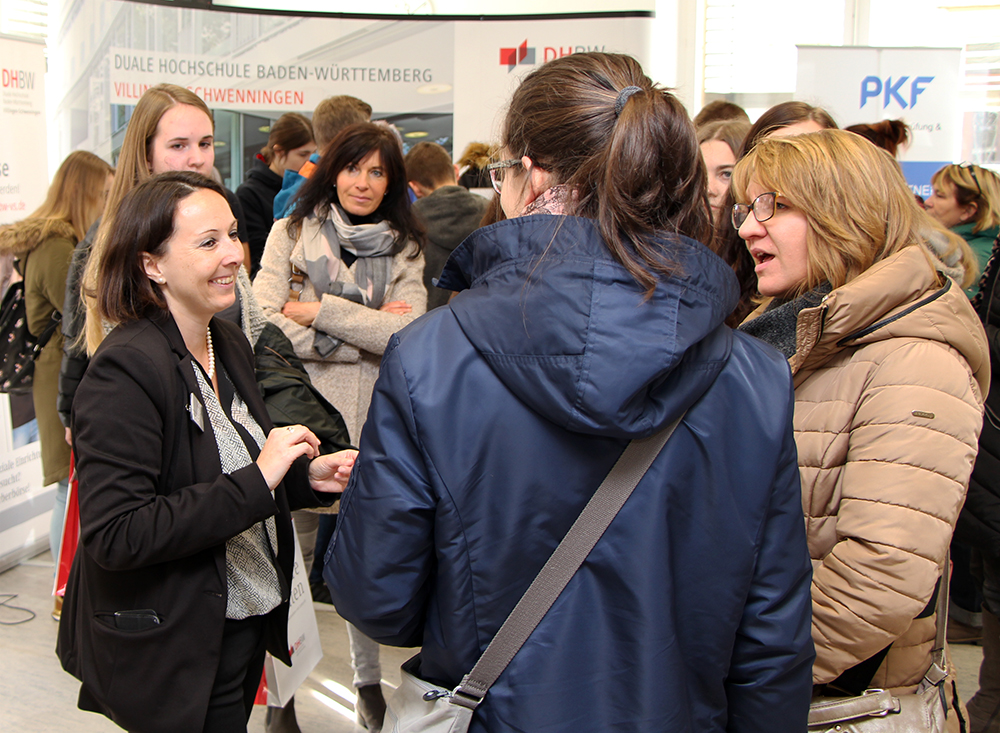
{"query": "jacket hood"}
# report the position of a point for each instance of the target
(567, 329)
(451, 208)
(20, 238)
(896, 298)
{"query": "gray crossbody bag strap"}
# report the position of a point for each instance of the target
(562, 565)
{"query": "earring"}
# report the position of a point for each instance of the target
(162, 280)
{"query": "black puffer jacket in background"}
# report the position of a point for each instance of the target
(450, 214)
(289, 395)
(74, 360)
(979, 523)
(256, 195)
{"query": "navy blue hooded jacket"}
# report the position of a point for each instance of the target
(492, 423)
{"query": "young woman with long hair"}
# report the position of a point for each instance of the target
(170, 129)
(589, 317)
(43, 244)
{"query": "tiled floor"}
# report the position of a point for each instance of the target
(36, 696)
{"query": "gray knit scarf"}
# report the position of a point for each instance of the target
(776, 325)
(372, 244)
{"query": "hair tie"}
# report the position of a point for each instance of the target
(623, 97)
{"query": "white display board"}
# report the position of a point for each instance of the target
(492, 57)
(25, 505)
(918, 85)
(23, 161)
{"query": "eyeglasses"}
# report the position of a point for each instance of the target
(762, 208)
(972, 172)
(496, 171)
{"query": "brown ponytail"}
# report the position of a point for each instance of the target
(638, 174)
(886, 134)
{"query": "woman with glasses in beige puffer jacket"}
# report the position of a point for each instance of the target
(890, 367)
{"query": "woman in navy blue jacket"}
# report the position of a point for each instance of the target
(589, 317)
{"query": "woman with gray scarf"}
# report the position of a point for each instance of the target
(339, 277)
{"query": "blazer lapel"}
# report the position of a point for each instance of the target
(204, 449)
(233, 350)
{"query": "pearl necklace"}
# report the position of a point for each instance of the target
(211, 357)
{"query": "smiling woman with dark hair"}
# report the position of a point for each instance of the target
(182, 577)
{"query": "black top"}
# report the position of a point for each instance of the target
(256, 194)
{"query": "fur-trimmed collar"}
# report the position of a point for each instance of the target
(26, 235)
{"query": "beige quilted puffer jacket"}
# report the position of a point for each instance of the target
(890, 375)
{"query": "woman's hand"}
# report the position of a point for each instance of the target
(331, 472)
(399, 307)
(302, 313)
(283, 447)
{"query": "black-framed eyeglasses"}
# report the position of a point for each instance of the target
(971, 167)
(496, 171)
(762, 208)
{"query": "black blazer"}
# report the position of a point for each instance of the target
(155, 513)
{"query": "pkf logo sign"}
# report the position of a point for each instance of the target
(511, 57)
(873, 87)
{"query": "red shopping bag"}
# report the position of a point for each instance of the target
(70, 535)
(261, 698)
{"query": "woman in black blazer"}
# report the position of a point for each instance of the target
(182, 578)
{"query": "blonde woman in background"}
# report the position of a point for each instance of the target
(43, 244)
(170, 129)
(966, 199)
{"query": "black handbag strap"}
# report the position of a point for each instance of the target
(562, 565)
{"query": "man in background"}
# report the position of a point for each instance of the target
(448, 211)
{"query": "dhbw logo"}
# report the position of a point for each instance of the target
(511, 57)
(873, 86)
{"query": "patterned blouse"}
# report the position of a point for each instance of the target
(251, 577)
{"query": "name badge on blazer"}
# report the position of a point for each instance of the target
(197, 413)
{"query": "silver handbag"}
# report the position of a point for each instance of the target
(879, 711)
(418, 706)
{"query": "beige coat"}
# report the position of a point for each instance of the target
(890, 375)
(347, 376)
(44, 264)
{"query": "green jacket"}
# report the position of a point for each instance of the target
(44, 248)
(982, 244)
